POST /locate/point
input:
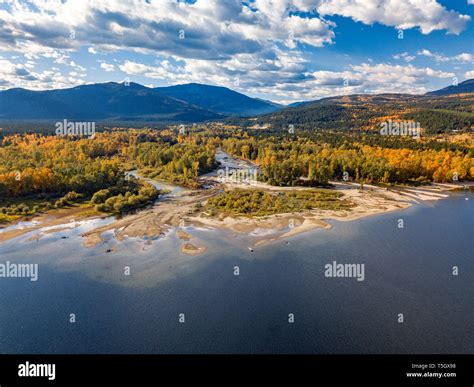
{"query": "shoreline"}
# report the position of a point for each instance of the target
(176, 213)
(372, 200)
(61, 218)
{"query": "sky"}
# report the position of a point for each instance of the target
(280, 50)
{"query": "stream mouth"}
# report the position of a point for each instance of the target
(173, 190)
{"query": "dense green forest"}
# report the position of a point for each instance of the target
(442, 120)
(436, 114)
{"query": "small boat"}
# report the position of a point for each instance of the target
(251, 250)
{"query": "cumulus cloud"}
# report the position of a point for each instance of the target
(463, 57)
(107, 67)
(384, 73)
(22, 75)
(254, 46)
(427, 15)
(405, 56)
(206, 29)
(370, 78)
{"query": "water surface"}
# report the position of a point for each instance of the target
(407, 271)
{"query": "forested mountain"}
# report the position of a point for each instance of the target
(130, 102)
(463, 87)
(449, 109)
(98, 101)
(435, 113)
(219, 99)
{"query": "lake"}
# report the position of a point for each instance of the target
(408, 271)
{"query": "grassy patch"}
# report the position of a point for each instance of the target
(261, 203)
(16, 208)
(12, 209)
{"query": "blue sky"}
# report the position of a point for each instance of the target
(282, 50)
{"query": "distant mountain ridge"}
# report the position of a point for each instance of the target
(448, 109)
(219, 99)
(98, 101)
(119, 101)
(463, 87)
(195, 102)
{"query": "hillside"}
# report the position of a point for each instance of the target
(463, 87)
(98, 101)
(436, 113)
(218, 99)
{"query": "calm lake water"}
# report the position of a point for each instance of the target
(407, 271)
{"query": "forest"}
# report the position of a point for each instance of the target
(40, 172)
(436, 114)
(441, 120)
(304, 161)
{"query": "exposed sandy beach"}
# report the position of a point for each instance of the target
(52, 218)
(371, 200)
(183, 211)
(185, 208)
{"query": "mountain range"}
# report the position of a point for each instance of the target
(463, 87)
(193, 102)
(448, 109)
(219, 99)
(119, 101)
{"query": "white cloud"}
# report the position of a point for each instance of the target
(22, 75)
(463, 57)
(372, 78)
(77, 66)
(59, 57)
(107, 67)
(212, 29)
(155, 72)
(469, 74)
(425, 52)
(405, 56)
(427, 15)
(386, 74)
(254, 47)
(367, 78)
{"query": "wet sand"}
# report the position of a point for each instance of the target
(52, 218)
(185, 209)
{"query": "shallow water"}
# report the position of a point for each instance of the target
(407, 271)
